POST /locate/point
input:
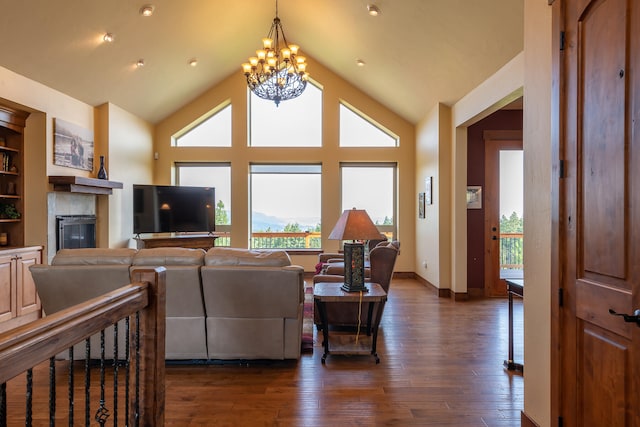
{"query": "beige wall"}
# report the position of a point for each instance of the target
(330, 154)
(433, 158)
(537, 211)
(128, 159)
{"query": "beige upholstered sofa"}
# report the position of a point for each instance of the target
(254, 303)
(225, 304)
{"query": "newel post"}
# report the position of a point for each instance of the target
(152, 349)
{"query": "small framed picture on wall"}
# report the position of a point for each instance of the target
(474, 197)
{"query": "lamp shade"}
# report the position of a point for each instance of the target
(354, 224)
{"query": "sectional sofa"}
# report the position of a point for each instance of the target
(225, 304)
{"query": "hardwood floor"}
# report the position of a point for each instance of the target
(441, 365)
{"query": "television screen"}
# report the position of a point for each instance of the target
(173, 209)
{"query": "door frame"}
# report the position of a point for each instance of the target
(557, 147)
(494, 142)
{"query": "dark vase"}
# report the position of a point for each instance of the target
(102, 172)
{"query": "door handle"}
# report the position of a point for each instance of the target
(629, 318)
(494, 238)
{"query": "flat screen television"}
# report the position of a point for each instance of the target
(173, 209)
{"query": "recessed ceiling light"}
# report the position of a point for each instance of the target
(146, 10)
(108, 37)
(360, 63)
(373, 10)
(193, 62)
(140, 63)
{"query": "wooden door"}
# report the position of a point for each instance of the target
(27, 297)
(7, 289)
(599, 213)
(494, 142)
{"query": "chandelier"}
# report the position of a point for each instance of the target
(277, 73)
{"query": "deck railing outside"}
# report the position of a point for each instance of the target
(511, 252)
(279, 239)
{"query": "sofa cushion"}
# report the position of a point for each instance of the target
(169, 256)
(94, 256)
(245, 257)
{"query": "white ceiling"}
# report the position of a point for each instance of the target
(417, 52)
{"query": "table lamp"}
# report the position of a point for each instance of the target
(355, 225)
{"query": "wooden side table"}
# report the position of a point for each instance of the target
(357, 344)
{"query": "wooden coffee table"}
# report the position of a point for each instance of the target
(354, 343)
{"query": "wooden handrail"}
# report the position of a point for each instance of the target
(28, 345)
(24, 347)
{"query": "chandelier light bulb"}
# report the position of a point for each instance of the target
(360, 63)
(108, 37)
(373, 10)
(140, 63)
(194, 62)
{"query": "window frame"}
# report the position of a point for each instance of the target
(250, 115)
(257, 168)
(386, 229)
(202, 120)
(367, 119)
(224, 229)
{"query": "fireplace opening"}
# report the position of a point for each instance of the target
(75, 231)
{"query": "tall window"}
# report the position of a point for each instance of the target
(211, 130)
(216, 175)
(294, 123)
(372, 187)
(358, 130)
(285, 206)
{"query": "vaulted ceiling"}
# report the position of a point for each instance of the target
(417, 52)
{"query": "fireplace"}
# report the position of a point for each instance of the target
(75, 231)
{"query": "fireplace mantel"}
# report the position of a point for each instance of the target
(80, 184)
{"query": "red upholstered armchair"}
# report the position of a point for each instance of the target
(382, 260)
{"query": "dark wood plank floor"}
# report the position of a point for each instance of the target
(441, 365)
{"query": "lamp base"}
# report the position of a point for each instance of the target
(354, 288)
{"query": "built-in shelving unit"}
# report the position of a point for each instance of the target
(12, 123)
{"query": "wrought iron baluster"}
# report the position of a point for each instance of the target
(137, 373)
(127, 362)
(52, 391)
(102, 413)
(70, 391)
(3, 404)
(29, 398)
(115, 375)
(87, 382)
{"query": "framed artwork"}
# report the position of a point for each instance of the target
(474, 197)
(421, 205)
(427, 191)
(72, 145)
